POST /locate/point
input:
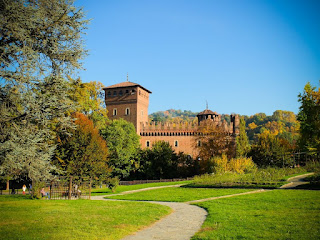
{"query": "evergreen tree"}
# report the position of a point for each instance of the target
(309, 117)
(242, 141)
(40, 44)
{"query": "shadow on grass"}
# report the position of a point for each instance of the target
(246, 186)
(14, 197)
(309, 186)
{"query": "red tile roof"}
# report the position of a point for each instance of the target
(126, 84)
(207, 112)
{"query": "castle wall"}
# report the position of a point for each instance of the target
(185, 144)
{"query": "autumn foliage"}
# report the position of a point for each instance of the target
(212, 140)
(84, 152)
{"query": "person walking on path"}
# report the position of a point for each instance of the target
(24, 188)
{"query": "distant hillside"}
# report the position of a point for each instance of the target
(282, 123)
(178, 115)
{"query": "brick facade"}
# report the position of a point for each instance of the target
(130, 101)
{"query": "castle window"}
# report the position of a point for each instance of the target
(114, 93)
(127, 111)
(120, 93)
(147, 143)
(127, 91)
(176, 143)
(114, 112)
(199, 143)
(133, 91)
(109, 94)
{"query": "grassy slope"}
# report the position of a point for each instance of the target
(278, 214)
(123, 188)
(179, 194)
(22, 218)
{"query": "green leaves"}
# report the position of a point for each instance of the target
(123, 143)
(309, 117)
(40, 45)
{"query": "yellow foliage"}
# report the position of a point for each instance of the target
(237, 165)
(252, 125)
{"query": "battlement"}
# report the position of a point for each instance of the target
(167, 126)
(184, 128)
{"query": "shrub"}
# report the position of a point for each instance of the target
(237, 165)
(113, 183)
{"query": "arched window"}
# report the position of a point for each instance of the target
(176, 143)
(147, 143)
(114, 93)
(127, 111)
(120, 93)
(109, 93)
(115, 112)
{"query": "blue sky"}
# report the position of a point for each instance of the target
(242, 56)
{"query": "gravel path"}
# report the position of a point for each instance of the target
(185, 220)
(182, 224)
(296, 181)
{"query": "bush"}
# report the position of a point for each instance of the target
(36, 188)
(267, 177)
(237, 165)
(312, 166)
(113, 183)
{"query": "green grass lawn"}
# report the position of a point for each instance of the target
(123, 188)
(23, 218)
(178, 194)
(277, 214)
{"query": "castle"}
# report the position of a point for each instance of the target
(130, 101)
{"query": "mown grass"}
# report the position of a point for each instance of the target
(262, 178)
(23, 218)
(178, 194)
(277, 214)
(123, 188)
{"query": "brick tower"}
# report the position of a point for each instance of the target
(129, 101)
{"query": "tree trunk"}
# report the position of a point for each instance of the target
(8, 185)
(70, 188)
(90, 187)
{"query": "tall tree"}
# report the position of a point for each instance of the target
(82, 152)
(212, 140)
(159, 162)
(123, 144)
(89, 99)
(242, 141)
(309, 117)
(40, 44)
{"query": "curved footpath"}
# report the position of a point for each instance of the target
(186, 219)
(181, 224)
(296, 181)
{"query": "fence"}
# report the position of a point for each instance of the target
(134, 182)
(68, 188)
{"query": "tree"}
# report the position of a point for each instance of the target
(212, 140)
(89, 99)
(40, 45)
(123, 144)
(309, 117)
(271, 149)
(160, 161)
(82, 152)
(242, 141)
